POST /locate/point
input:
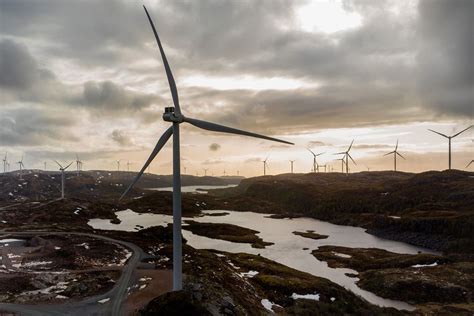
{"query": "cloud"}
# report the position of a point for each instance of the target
(446, 66)
(317, 143)
(35, 127)
(214, 147)
(120, 138)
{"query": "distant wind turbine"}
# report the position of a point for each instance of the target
(343, 162)
(205, 172)
(395, 154)
(265, 166)
(21, 167)
(45, 165)
(173, 115)
(5, 161)
(118, 165)
(78, 165)
(315, 163)
(347, 155)
(469, 164)
(62, 169)
(128, 166)
(291, 162)
(449, 141)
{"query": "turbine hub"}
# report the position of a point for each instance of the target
(171, 116)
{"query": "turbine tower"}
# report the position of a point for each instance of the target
(291, 162)
(343, 162)
(347, 155)
(128, 166)
(205, 172)
(449, 141)
(78, 164)
(21, 167)
(62, 169)
(5, 161)
(265, 166)
(395, 154)
(174, 116)
(118, 165)
(315, 163)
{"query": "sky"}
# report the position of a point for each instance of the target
(86, 78)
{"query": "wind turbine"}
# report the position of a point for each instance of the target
(449, 140)
(343, 162)
(118, 165)
(205, 172)
(347, 156)
(265, 166)
(5, 161)
(395, 154)
(291, 162)
(78, 165)
(315, 163)
(469, 163)
(21, 166)
(173, 115)
(62, 169)
(128, 166)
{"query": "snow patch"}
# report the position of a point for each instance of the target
(434, 264)
(249, 274)
(314, 297)
(105, 300)
(342, 255)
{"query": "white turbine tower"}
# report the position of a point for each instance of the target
(78, 165)
(205, 172)
(62, 169)
(343, 162)
(395, 154)
(174, 116)
(347, 156)
(449, 141)
(5, 161)
(291, 162)
(21, 167)
(315, 163)
(265, 166)
(118, 165)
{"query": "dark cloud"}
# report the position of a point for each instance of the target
(214, 147)
(18, 68)
(316, 143)
(34, 127)
(120, 138)
(446, 47)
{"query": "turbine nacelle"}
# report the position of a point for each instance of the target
(171, 116)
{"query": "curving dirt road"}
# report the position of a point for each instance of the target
(89, 306)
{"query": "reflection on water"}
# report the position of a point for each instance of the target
(287, 248)
(196, 188)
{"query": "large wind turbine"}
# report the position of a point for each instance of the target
(449, 140)
(347, 156)
(395, 154)
(315, 163)
(21, 167)
(291, 162)
(5, 161)
(62, 169)
(174, 116)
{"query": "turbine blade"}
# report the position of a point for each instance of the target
(320, 154)
(400, 155)
(438, 133)
(341, 153)
(68, 166)
(174, 90)
(461, 131)
(396, 146)
(58, 164)
(350, 146)
(159, 145)
(311, 151)
(224, 129)
(351, 159)
(389, 153)
(469, 163)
